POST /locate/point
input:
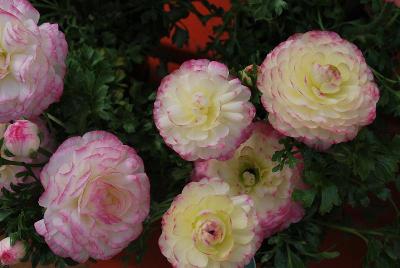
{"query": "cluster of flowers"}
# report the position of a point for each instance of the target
(315, 86)
(96, 194)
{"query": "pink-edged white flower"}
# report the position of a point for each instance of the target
(249, 172)
(96, 197)
(32, 59)
(318, 89)
(201, 112)
(207, 227)
(396, 2)
(11, 254)
(22, 138)
(8, 173)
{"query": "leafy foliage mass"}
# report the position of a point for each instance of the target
(108, 87)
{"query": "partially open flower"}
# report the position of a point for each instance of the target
(22, 138)
(249, 172)
(206, 227)
(7, 172)
(318, 89)
(201, 112)
(11, 254)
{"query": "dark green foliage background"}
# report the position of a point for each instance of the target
(108, 87)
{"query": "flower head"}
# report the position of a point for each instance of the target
(249, 172)
(201, 112)
(318, 89)
(396, 2)
(22, 138)
(32, 59)
(96, 197)
(11, 254)
(206, 227)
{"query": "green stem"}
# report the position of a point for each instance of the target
(32, 173)
(44, 152)
(21, 164)
(55, 120)
(344, 229)
(396, 209)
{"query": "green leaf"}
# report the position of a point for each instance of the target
(180, 36)
(305, 196)
(329, 198)
(4, 214)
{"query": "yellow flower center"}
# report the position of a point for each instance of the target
(253, 170)
(326, 79)
(4, 63)
(213, 234)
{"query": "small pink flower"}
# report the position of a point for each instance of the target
(96, 197)
(11, 254)
(32, 61)
(22, 138)
(396, 2)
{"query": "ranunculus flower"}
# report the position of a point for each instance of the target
(96, 197)
(201, 112)
(11, 254)
(318, 89)
(249, 172)
(206, 227)
(396, 2)
(8, 173)
(32, 59)
(22, 138)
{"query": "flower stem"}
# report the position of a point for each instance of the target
(55, 120)
(344, 229)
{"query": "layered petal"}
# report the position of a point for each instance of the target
(249, 172)
(207, 227)
(201, 112)
(32, 59)
(318, 89)
(96, 197)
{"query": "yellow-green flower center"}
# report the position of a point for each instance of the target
(204, 110)
(4, 63)
(212, 232)
(326, 79)
(250, 177)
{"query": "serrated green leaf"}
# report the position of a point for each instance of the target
(329, 198)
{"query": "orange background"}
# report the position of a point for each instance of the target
(352, 249)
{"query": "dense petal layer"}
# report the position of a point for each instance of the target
(201, 112)
(318, 89)
(249, 172)
(207, 227)
(32, 59)
(96, 197)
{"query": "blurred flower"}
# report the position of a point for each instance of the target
(32, 59)
(318, 89)
(206, 227)
(11, 254)
(22, 138)
(396, 2)
(96, 197)
(201, 112)
(249, 172)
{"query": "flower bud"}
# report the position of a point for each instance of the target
(22, 138)
(11, 254)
